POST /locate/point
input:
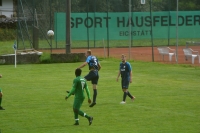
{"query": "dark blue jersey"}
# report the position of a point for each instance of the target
(92, 62)
(125, 69)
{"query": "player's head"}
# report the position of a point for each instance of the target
(123, 57)
(78, 72)
(88, 53)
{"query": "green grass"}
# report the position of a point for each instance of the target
(167, 99)
(6, 47)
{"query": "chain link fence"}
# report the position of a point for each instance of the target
(107, 23)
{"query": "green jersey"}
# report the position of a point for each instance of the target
(78, 87)
(0, 90)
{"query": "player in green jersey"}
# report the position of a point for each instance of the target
(1, 94)
(78, 87)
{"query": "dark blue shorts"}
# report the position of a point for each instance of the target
(125, 83)
(92, 76)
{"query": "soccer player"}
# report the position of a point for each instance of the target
(79, 85)
(1, 95)
(125, 71)
(93, 75)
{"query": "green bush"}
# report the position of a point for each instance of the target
(45, 58)
(7, 34)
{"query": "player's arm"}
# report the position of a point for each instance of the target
(99, 66)
(119, 73)
(85, 63)
(82, 65)
(130, 72)
(130, 76)
(72, 90)
(87, 91)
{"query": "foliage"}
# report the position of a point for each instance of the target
(123, 5)
(8, 30)
(8, 25)
(45, 58)
(7, 34)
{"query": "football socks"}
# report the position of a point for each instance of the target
(75, 116)
(124, 96)
(81, 113)
(128, 93)
(94, 95)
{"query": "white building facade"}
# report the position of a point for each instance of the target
(6, 8)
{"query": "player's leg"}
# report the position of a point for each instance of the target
(94, 95)
(90, 119)
(89, 76)
(94, 83)
(124, 84)
(77, 112)
(76, 107)
(76, 117)
(129, 94)
(124, 96)
(93, 77)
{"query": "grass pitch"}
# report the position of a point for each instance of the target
(167, 99)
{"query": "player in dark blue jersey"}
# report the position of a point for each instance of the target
(93, 75)
(125, 71)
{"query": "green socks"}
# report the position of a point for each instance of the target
(81, 113)
(76, 117)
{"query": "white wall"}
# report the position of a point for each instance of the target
(6, 8)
